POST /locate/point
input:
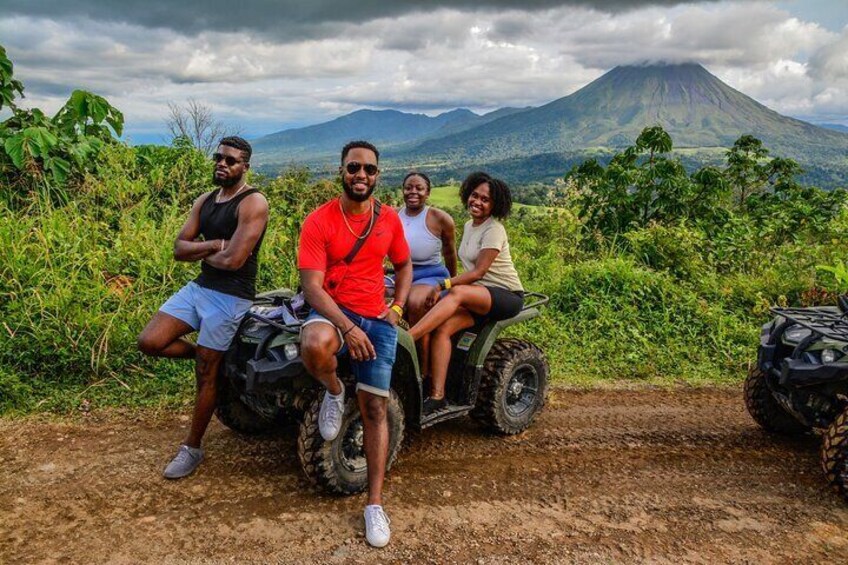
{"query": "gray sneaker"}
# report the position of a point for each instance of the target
(184, 464)
(330, 415)
(377, 530)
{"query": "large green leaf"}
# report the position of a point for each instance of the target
(59, 168)
(31, 143)
(8, 85)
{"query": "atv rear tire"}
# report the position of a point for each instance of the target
(512, 387)
(339, 466)
(765, 410)
(246, 414)
(834, 454)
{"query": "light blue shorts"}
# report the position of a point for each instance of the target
(215, 315)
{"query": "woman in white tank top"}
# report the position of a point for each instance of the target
(431, 235)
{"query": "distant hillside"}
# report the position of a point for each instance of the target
(384, 128)
(834, 127)
(703, 115)
(695, 107)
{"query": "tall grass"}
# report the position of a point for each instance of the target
(661, 304)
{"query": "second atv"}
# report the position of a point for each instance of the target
(800, 381)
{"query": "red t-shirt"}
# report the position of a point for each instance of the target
(325, 240)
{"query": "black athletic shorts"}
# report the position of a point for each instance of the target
(505, 304)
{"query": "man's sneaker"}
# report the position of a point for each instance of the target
(330, 415)
(184, 464)
(377, 530)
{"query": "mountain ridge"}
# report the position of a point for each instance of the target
(697, 109)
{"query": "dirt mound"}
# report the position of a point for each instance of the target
(603, 476)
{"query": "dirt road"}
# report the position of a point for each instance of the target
(603, 476)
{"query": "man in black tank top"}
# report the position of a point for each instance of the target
(224, 231)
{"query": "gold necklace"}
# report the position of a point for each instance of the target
(350, 229)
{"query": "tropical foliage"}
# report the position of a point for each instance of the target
(654, 273)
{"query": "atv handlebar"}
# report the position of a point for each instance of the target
(291, 328)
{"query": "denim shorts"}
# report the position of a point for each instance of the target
(214, 314)
(429, 274)
(374, 375)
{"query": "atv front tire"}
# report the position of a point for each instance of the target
(244, 413)
(765, 410)
(339, 466)
(512, 387)
(834, 454)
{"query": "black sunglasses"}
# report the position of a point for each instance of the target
(228, 159)
(353, 168)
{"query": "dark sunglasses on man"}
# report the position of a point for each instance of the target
(353, 168)
(228, 159)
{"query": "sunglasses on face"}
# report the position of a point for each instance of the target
(228, 159)
(353, 167)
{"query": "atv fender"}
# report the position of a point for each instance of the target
(406, 378)
(489, 333)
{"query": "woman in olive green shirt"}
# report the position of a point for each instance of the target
(489, 289)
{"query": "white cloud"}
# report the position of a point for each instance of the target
(426, 61)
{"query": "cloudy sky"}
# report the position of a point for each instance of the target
(266, 65)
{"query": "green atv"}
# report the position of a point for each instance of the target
(263, 385)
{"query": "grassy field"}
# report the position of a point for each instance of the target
(444, 196)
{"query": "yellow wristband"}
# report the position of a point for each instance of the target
(447, 284)
(398, 309)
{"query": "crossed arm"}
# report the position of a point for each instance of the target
(222, 254)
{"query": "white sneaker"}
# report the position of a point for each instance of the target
(377, 530)
(330, 415)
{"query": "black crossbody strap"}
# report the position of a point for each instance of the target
(361, 241)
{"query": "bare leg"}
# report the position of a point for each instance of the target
(162, 337)
(319, 344)
(415, 308)
(473, 298)
(440, 349)
(206, 373)
(424, 344)
(373, 409)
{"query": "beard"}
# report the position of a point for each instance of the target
(227, 182)
(358, 197)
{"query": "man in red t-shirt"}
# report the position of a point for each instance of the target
(349, 312)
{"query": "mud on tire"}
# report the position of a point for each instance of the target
(339, 466)
(765, 410)
(512, 387)
(243, 413)
(834, 454)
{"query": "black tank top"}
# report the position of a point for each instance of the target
(219, 221)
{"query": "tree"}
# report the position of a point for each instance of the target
(641, 185)
(195, 122)
(38, 152)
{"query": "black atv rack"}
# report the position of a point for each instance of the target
(833, 325)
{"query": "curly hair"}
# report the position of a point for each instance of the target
(239, 143)
(416, 174)
(359, 144)
(499, 192)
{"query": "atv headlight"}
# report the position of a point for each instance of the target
(290, 351)
(830, 355)
(796, 333)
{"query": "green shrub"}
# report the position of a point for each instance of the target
(676, 249)
(621, 320)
